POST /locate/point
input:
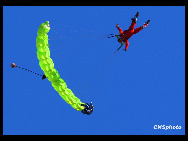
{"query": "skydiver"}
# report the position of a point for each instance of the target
(126, 34)
(88, 108)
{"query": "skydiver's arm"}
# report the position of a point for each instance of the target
(120, 30)
(126, 45)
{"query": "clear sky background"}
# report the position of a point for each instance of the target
(132, 91)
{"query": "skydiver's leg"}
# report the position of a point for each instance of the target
(137, 30)
(142, 27)
(132, 26)
(134, 21)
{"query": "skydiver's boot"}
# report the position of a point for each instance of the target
(146, 24)
(135, 17)
(137, 14)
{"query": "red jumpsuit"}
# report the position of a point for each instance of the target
(126, 34)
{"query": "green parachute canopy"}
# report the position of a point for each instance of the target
(47, 65)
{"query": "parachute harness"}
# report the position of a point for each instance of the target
(117, 36)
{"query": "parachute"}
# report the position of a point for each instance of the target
(47, 65)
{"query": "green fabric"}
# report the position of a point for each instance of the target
(47, 65)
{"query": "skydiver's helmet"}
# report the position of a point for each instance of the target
(120, 40)
(88, 108)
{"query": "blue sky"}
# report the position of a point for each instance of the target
(132, 91)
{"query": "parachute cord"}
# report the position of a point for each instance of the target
(29, 71)
(13, 66)
(59, 34)
(79, 32)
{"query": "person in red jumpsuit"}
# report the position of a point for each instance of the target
(126, 34)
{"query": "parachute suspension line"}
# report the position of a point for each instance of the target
(78, 33)
(13, 65)
(59, 34)
(80, 29)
